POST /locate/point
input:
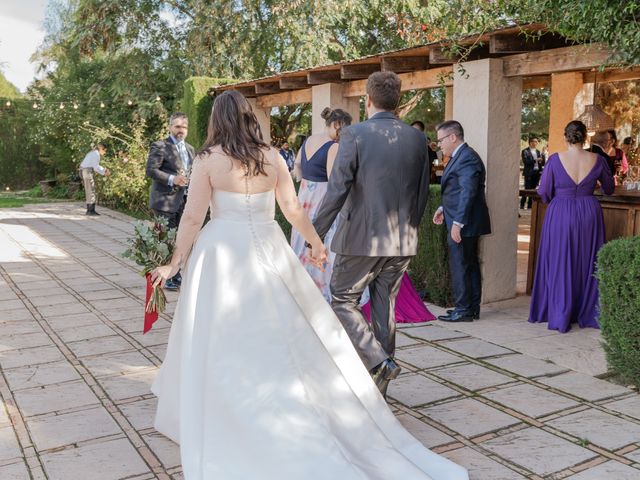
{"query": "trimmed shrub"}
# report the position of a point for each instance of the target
(197, 104)
(429, 269)
(618, 272)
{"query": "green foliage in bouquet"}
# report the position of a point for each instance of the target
(618, 275)
(152, 246)
(429, 269)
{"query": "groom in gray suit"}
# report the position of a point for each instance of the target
(378, 188)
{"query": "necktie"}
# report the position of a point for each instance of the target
(184, 155)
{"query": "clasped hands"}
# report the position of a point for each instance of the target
(318, 256)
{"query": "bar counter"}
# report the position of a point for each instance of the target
(621, 213)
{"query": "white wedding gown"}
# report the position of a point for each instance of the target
(260, 381)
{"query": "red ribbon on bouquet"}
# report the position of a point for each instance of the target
(149, 317)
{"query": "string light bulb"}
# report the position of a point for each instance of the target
(75, 106)
(129, 103)
(157, 98)
(35, 105)
(61, 106)
(101, 104)
(8, 104)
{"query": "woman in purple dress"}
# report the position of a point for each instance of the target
(565, 290)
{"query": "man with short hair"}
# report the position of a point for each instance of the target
(378, 187)
(465, 213)
(89, 165)
(533, 163)
(288, 155)
(169, 165)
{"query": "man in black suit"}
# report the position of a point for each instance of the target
(533, 163)
(379, 187)
(465, 213)
(168, 165)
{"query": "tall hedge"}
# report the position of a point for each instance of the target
(618, 272)
(197, 103)
(429, 269)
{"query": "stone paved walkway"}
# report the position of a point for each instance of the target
(507, 399)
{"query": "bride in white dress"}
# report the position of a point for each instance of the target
(260, 381)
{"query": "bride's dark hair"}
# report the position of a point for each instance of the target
(234, 127)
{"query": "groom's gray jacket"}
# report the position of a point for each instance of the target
(379, 187)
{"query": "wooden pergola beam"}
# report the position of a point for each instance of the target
(293, 82)
(247, 91)
(285, 98)
(263, 88)
(612, 76)
(439, 56)
(358, 71)
(557, 60)
(542, 81)
(433, 78)
(503, 44)
(404, 64)
(319, 77)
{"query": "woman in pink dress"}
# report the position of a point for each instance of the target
(313, 167)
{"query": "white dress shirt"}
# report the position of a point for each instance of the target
(92, 160)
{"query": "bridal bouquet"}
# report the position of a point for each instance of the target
(151, 246)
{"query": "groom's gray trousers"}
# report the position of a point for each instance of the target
(383, 275)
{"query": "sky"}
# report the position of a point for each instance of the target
(21, 33)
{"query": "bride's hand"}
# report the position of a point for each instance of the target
(318, 255)
(161, 274)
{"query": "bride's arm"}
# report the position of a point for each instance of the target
(291, 208)
(198, 200)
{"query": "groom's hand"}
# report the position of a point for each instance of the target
(438, 217)
(455, 233)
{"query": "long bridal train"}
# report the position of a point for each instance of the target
(260, 380)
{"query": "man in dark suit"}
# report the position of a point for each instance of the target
(168, 165)
(379, 187)
(533, 163)
(465, 213)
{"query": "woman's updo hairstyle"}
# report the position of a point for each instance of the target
(336, 115)
(575, 132)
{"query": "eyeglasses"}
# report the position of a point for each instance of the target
(441, 139)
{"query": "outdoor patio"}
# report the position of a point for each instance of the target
(505, 398)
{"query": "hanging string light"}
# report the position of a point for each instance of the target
(35, 105)
(75, 106)
(101, 104)
(157, 98)
(129, 103)
(8, 104)
(61, 106)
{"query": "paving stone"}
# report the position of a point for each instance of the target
(539, 451)
(526, 366)
(141, 414)
(584, 386)
(429, 436)
(19, 328)
(111, 364)
(99, 346)
(433, 332)
(4, 416)
(109, 294)
(635, 456)
(629, 406)
(610, 471)
(476, 348)
(531, 400)
(39, 375)
(589, 361)
(167, 451)
(425, 356)
(85, 332)
(601, 428)
(29, 356)
(413, 389)
(6, 305)
(404, 341)
(9, 447)
(108, 460)
(73, 321)
(52, 398)
(53, 300)
(472, 377)
(14, 471)
(130, 385)
(117, 304)
(62, 310)
(69, 428)
(481, 467)
(157, 336)
(16, 342)
(16, 315)
(477, 419)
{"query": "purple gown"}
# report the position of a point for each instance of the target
(565, 289)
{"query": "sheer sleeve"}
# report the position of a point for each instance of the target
(546, 190)
(607, 184)
(198, 200)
